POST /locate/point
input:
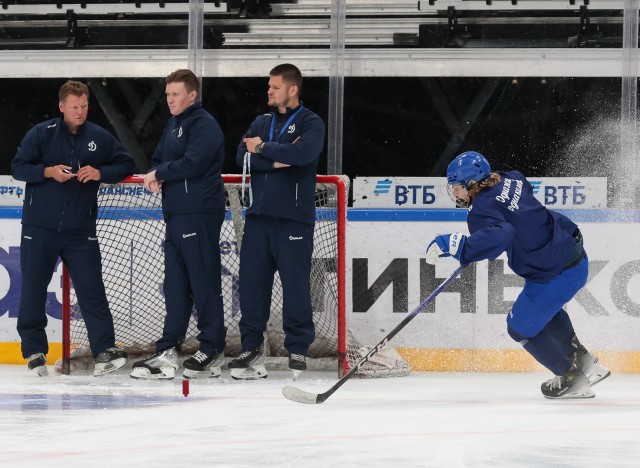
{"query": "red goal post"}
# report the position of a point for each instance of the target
(131, 232)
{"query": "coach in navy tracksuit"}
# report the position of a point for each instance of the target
(281, 149)
(186, 167)
(63, 161)
(543, 247)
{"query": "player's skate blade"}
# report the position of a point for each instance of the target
(250, 373)
(584, 393)
(103, 368)
(300, 396)
(211, 373)
(161, 373)
(40, 371)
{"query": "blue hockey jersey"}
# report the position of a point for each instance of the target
(507, 217)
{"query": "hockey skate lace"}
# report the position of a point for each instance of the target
(297, 357)
(244, 355)
(200, 356)
(33, 357)
(556, 382)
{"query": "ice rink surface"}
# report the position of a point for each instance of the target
(424, 420)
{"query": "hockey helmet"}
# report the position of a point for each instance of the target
(466, 167)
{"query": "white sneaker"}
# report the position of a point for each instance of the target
(162, 365)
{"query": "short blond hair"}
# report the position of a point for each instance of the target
(74, 88)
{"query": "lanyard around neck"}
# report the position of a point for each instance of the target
(286, 124)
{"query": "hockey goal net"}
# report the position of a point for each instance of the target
(131, 233)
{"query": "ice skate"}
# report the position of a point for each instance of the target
(249, 365)
(160, 366)
(297, 364)
(573, 384)
(201, 366)
(592, 368)
(590, 364)
(109, 360)
(37, 363)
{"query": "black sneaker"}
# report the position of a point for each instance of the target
(109, 360)
(38, 364)
(249, 365)
(201, 365)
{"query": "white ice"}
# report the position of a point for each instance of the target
(424, 420)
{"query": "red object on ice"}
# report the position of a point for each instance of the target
(185, 387)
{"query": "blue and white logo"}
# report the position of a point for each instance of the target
(570, 192)
(92, 146)
(536, 186)
(382, 187)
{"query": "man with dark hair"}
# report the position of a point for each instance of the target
(186, 169)
(63, 161)
(282, 149)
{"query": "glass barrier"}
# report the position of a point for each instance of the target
(403, 86)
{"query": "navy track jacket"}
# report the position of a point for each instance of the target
(507, 217)
(188, 159)
(70, 206)
(285, 192)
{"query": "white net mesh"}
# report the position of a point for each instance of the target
(131, 234)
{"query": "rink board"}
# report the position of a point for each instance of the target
(387, 278)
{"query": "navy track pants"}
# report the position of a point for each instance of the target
(192, 277)
(271, 244)
(39, 252)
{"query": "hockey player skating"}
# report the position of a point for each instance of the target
(543, 247)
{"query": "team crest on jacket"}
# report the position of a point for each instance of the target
(292, 128)
(92, 145)
(179, 132)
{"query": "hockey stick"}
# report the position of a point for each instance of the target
(300, 396)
